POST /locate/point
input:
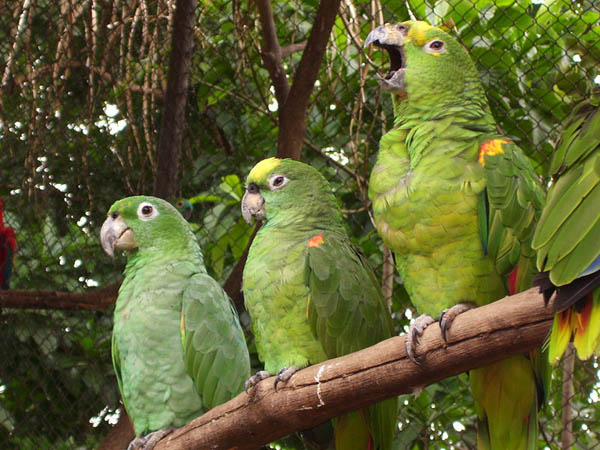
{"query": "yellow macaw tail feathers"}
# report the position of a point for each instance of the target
(583, 323)
(560, 336)
(587, 334)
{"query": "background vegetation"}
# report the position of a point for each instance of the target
(83, 84)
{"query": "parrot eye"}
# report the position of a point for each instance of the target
(402, 28)
(435, 46)
(146, 211)
(277, 181)
(114, 216)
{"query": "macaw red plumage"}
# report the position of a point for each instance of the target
(8, 250)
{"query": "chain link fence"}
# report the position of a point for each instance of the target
(82, 85)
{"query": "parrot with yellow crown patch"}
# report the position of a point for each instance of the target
(567, 237)
(177, 346)
(457, 203)
(310, 293)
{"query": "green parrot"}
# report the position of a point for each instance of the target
(457, 203)
(310, 293)
(567, 236)
(185, 207)
(177, 345)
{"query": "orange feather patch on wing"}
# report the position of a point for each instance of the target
(492, 147)
(316, 241)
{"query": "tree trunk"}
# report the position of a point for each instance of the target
(292, 114)
(166, 182)
(293, 101)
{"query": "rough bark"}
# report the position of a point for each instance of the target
(119, 436)
(477, 337)
(272, 54)
(96, 299)
(292, 114)
(172, 127)
(233, 285)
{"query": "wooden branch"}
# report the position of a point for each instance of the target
(119, 436)
(292, 48)
(173, 122)
(96, 299)
(233, 285)
(292, 114)
(478, 337)
(271, 54)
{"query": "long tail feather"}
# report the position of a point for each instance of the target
(562, 329)
(587, 334)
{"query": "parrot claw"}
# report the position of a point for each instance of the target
(285, 374)
(254, 379)
(149, 441)
(415, 330)
(449, 314)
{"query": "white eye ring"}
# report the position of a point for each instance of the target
(147, 211)
(277, 182)
(435, 46)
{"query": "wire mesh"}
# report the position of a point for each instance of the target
(82, 87)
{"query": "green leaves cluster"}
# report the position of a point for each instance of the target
(222, 232)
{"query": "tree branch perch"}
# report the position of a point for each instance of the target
(477, 337)
(96, 299)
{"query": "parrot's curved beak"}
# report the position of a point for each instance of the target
(253, 204)
(115, 234)
(391, 38)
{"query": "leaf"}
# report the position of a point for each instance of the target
(232, 185)
(208, 198)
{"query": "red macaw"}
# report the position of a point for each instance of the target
(8, 250)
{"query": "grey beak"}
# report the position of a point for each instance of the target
(385, 35)
(253, 206)
(115, 234)
(376, 35)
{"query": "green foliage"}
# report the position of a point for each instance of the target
(52, 361)
(222, 232)
(64, 160)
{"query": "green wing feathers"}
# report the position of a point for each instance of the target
(515, 197)
(346, 308)
(347, 312)
(215, 351)
(116, 360)
(567, 238)
(568, 232)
